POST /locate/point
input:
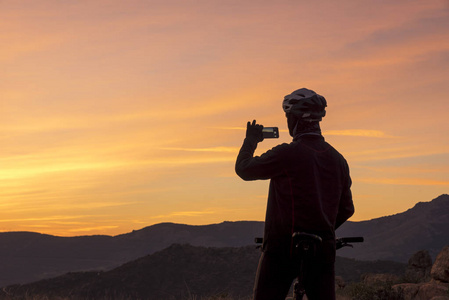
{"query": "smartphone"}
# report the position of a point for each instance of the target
(270, 132)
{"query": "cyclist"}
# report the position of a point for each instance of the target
(309, 192)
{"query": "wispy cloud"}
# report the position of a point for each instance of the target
(403, 181)
(37, 226)
(376, 153)
(184, 214)
(346, 132)
(229, 128)
(179, 161)
(93, 228)
(44, 219)
(210, 149)
(358, 132)
(17, 173)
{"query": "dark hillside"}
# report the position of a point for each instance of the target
(178, 272)
(28, 256)
(397, 237)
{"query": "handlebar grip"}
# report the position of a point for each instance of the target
(355, 239)
(258, 240)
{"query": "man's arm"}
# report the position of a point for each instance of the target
(249, 167)
(346, 207)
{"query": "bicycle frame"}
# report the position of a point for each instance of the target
(304, 248)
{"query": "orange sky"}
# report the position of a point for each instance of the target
(116, 115)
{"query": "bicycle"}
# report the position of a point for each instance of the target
(304, 248)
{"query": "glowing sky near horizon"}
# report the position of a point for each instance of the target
(115, 115)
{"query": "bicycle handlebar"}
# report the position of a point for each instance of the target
(340, 242)
(345, 241)
(355, 239)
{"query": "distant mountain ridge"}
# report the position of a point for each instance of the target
(26, 256)
(397, 237)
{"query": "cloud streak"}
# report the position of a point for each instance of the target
(184, 214)
(49, 218)
(404, 181)
(345, 132)
(210, 149)
(358, 133)
(93, 228)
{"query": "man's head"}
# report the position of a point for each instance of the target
(304, 109)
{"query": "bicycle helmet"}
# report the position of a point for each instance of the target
(305, 104)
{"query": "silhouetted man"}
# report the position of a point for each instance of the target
(309, 192)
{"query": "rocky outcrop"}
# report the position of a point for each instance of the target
(419, 266)
(440, 269)
(422, 291)
(339, 283)
(436, 288)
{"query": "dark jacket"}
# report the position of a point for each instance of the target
(309, 189)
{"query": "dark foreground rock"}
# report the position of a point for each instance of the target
(419, 266)
(440, 269)
(437, 288)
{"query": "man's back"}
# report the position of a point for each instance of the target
(309, 188)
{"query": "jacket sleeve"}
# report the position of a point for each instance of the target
(346, 207)
(250, 167)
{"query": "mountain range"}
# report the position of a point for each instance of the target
(27, 256)
(397, 237)
(176, 272)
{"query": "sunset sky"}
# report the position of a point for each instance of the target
(116, 115)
